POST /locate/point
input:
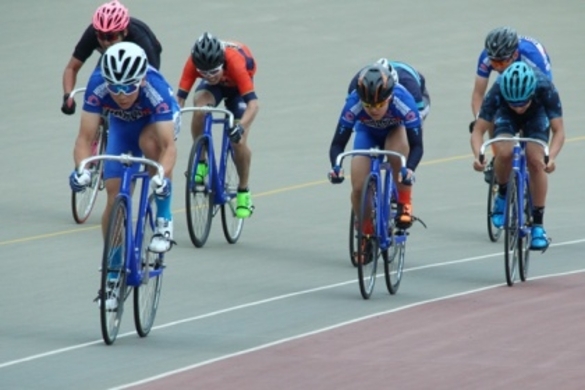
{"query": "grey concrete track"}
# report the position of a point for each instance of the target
(290, 272)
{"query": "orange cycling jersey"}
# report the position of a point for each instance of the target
(239, 69)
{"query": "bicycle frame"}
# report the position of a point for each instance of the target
(134, 238)
(217, 171)
(520, 172)
(383, 199)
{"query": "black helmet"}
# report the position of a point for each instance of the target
(208, 52)
(375, 84)
(501, 43)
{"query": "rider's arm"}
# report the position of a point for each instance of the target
(249, 114)
(86, 45)
(554, 112)
(187, 80)
(415, 143)
(485, 118)
(479, 88)
(339, 142)
(88, 128)
(165, 131)
(70, 74)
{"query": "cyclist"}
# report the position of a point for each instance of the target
(409, 78)
(144, 119)
(384, 115)
(503, 46)
(111, 24)
(227, 70)
(524, 99)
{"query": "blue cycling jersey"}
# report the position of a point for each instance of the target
(155, 102)
(530, 51)
(546, 97)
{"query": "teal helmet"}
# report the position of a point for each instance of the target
(518, 82)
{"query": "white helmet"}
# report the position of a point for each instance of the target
(124, 63)
(384, 62)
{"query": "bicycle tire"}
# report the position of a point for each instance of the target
(511, 230)
(82, 202)
(525, 240)
(494, 233)
(353, 239)
(113, 288)
(147, 294)
(394, 262)
(368, 251)
(199, 197)
(231, 224)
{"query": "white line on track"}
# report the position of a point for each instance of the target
(281, 297)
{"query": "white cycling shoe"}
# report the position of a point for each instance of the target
(162, 240)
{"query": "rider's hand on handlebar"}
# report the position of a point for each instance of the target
(68, 107)
(406, 176)
(79, 182)
(479, 166)
(471, 126)
(335, 175)
(161, 188)
(550, 166)
(235, 133)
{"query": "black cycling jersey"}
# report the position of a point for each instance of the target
(138, 32)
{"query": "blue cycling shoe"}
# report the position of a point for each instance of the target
(539, 238)
(498, 211)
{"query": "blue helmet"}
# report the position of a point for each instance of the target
(518, 82)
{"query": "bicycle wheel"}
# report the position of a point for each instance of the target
(394, 260)
(526, 238)
(232, 225)
(353, 239)
(147, 294)
(493, 232)
(368, 250)
(113, 289)
(199, 196)
(82, 202)
(511, 253)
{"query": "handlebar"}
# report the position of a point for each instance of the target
(370, 152)
(124, 159)
(515, 140)
(76, 91)
(212, 110)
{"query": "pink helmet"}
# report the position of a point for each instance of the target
(112, 16)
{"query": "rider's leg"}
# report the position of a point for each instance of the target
(397, 141)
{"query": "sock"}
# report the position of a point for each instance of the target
(502, 190)
(404, 197)
(537, 215)
(163, 207)
(245, 189)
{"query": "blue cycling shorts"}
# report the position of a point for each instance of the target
(366, 138)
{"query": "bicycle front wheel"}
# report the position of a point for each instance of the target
(82, 202)
(494, 233)
(368, 248)
(526, 238)
(232, 225)
(199, 194)
(511, 244)
(113, 288)
(147, 294)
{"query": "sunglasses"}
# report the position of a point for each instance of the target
(211, 72)
(519, 104)
(117, 89)
(109, 36)
(373, 105)
(500, 61)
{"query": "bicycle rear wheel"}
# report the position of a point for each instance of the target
(394, 261)
(231, 224)
(511, 244)
(368, 250)
(353, 239)
(526, 238)
(494, 233)
(113, 289)
(199, 196)
(147, 294)
(82, 202)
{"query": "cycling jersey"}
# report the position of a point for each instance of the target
(155, 103)
(409, 78)
(138, 32)
(534, 122)
(402, 111)
(238, 72)
(530, 51)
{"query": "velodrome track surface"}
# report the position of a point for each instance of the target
(289, 276)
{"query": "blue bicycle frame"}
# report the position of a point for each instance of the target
(134, 238)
